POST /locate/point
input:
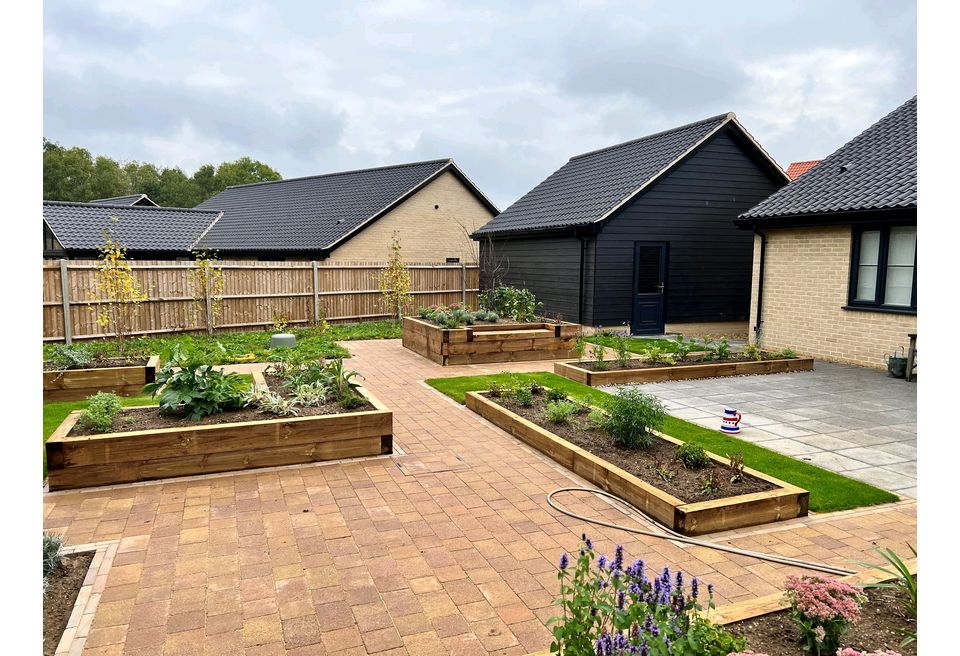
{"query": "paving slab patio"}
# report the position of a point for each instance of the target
(848, 419)
(449, 548)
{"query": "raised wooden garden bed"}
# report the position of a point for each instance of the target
(76, 384)
(784, 501)
(500, 342)
(110, 458)
(576, 371)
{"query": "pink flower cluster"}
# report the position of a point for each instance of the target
(825, 599)
(850, 651)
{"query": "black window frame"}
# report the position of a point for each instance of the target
(877, 305)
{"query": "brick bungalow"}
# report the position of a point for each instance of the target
(835, 251)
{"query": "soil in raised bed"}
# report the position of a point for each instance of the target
(148, 418)
(63, 586)
(99, 364)
(501, 321)
(642, 463)
(881, 619)
(637, 363)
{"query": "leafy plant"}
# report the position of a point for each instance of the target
(683, 348)
(580, 347)
(116, 292)
(657, 355)
(75, 356)
(206, 281)
(692, 456)
(711, 482)
(555, 395)
(559, 412)
(597, 418)
(351, 400)
(608, 607)
(631, 417)
(904, 581)
(195, 388)
(52, 553)
(341, 380)
(623, 355)
(511, 302)
(394, 281)
(496, 390)
(537, 389)
(309, 394)
(101, 410)
(663, 472)
(721, 350)
(523, 395)
(822, 609)
(272, 403)
(596, 352)
(787, 353)
(753, 352)
(736, 467)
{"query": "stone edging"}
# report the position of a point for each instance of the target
(78, 626)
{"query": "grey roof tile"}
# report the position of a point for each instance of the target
(873, 171)
(310, 213)
(131, 199)
(80, 226)
(588, 186)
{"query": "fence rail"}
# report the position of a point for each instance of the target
(253, 294)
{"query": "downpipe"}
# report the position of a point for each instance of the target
(763, 258)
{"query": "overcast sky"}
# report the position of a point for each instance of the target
(510, 90)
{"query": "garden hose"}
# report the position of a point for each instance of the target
(668, 534)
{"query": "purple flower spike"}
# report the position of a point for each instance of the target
(621, 599)
(694, 587)
(710, 589)
(564, 561)
(679, 580)
(644, 649)
(618, 558)
(602, 561)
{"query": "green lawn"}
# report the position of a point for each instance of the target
(55, 413)
(637, 344)
(310, 341)
(828, 491)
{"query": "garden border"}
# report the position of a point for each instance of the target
(133, 456)
(78, 384)
(570, 370)
(697, 518)
(480, 344)
(773, 603)
(88, 598)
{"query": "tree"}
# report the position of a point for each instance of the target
(107, 180)
(66, 172)
(244, 171)
(116, 291)
(175, 189)
(394, 281)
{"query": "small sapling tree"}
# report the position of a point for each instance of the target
(394, 280)
(116, 291)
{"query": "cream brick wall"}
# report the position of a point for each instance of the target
(426, 234)
(805, 288)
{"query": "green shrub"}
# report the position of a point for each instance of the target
(596, 352)
(559, 412)
(657, 355)
(597, 418)
(185, 384)
(523, 396)
(555, 395)
(683, 348)
(692, 456)
(788, 353)
(623, 355)
(511, 302)
(631, 416)
(753, 352)
(52, 549)
(75, 356)
(351, 400)
(580, 347)
(101, 410)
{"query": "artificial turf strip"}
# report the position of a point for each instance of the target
(829, 491)
(311, 342)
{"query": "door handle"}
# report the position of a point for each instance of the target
(660, 288)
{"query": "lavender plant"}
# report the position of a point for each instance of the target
(612, 609)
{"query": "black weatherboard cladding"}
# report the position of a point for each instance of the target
(692, 208)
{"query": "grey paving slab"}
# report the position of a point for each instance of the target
(844, 418)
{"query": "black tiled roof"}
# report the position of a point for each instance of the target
(80, 226)
(589, 186)
(311, 213)
(132, 199)
(874, 171)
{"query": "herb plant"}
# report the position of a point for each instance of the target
(523, 395)
(631, 417)
(75, 356)
(608, 607)
(559, 412)
(692, 456)
(100, 412)
(596, 352)
(623, 355)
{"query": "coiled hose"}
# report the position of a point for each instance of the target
(668, 534)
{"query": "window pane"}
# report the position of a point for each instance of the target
(899, 287)
(870, 247)
(903, 246)
(867, 283)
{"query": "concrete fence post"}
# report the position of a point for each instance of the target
(316, 293)
(65, 293)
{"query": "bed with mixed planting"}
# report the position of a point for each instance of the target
(299, 410)
(74, 372)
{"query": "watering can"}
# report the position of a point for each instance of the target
(897, 365)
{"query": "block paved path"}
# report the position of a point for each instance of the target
(448, 549)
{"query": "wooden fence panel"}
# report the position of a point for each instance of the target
(253, 293)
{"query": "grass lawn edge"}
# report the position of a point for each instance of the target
(829, 491)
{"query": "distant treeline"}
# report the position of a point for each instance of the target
(73, 174)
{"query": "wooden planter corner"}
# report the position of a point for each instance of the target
(574, 371)
(785, 502)
(505, 342)
(77, 384)
(111, 458)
